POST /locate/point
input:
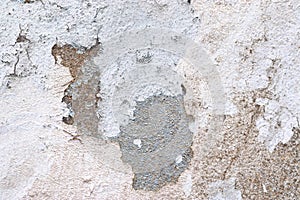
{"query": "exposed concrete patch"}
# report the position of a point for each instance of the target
(153, 181)
(160, 122)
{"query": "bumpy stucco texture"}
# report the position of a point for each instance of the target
(47, 47)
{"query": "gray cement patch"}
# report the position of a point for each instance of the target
(161, 126)
(153, 181)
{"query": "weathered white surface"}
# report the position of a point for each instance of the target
(222, 190)
(255, 45)
(188, 184)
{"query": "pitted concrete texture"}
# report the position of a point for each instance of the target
(153, 181)
(162, 127)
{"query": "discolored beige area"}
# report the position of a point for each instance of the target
(73, 58)
(258, 173)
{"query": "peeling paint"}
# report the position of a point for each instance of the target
(254, 46)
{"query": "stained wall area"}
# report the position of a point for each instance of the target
(149, 99)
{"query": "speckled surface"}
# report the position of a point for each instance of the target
(253, 46)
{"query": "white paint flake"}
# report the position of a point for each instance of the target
(137, 142)
(179, 159)
(188, 184)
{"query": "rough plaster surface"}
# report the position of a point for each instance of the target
(255, 48)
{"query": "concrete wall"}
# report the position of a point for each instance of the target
(149, 99)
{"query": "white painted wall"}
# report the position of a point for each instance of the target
(254, 45)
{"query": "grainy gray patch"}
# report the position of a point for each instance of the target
(158, 122)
